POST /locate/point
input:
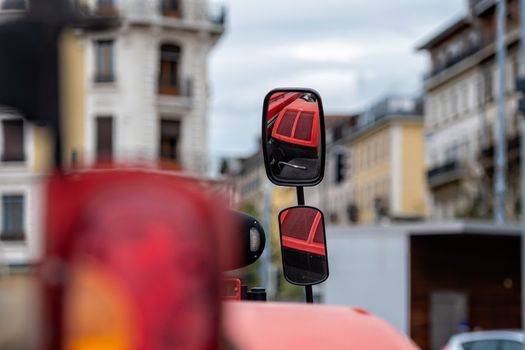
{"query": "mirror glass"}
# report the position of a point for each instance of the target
(292, 136)
(303, 245)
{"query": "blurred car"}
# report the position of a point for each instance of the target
(487, 340)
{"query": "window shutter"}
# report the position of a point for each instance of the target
(13, 140)
(104, 137)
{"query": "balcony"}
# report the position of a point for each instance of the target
(217, 15)
(480, 6)
(452, 61)
(446, 174)
(176, 97)
(12, 237)
(486, 155)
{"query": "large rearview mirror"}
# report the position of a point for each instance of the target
(293, 137)
(303, 245)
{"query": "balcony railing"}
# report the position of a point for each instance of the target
(217, 15)
(104, 78)
(487, 155)
(471, 50)
(445, 174)
(8, 236)
(480, 6)
(183, 89)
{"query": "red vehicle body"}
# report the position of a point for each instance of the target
(133, 260)
(263, 326)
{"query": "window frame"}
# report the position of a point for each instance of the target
(169, 11)
(101, 155)
(169, 70)
(100, 74)
(4, 158)
(106, 9)
(177, 147)
(5, 234)
(15, 3)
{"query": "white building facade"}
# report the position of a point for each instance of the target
(150, 72)
(461, 113)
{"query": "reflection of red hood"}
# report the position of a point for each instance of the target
(298, 123)
(311, 241)
(280, 100)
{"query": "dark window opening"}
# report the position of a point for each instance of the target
(104, 61)
(13, 133)
(104, 140)
(106, 7)
(169, 81)
(14, 5)
(340, 168)
(169, 139)
(171, 8)
(12, 218)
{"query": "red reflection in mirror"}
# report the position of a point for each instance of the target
(302, 229)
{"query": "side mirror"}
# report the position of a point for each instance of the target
(303, 245)
(293, 137)
(251, 240)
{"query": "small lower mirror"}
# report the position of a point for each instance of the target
(303, 245)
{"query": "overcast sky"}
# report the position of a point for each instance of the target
(352, 51)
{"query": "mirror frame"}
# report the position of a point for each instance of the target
(325, 245)
(322, 153)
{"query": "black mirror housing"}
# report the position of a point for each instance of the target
(293, 137)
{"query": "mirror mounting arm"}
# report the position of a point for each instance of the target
(300, 195)
(309, 294)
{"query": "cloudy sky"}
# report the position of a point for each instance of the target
(352, 51)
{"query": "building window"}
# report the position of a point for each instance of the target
(169, 139)
(171, 8)
(104, 138)
(106, 8)
(14, 5)
(13, 135)
(13, 218)
(169, 82)
(340, 167)
(104, 61)
(487, 85)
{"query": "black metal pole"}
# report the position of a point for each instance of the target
(309, 294)
(307, 289)
(300, 195)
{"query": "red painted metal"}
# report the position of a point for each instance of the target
(263, 326)
(158, 236)
(235, 284)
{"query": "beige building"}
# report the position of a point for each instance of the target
(387, 163)
(374, 166)
(460, 113)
